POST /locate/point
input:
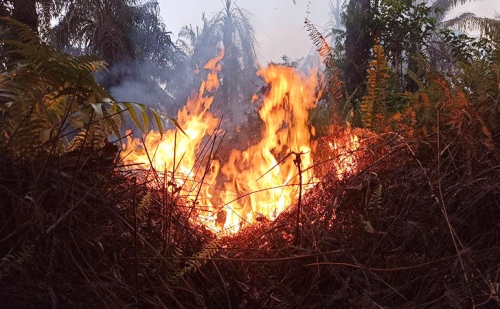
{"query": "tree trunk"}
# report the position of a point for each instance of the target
(358, 43)
(25, 12)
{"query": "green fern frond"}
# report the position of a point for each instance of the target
(88, 139)
(416, 79)
(76, 142)
(145, 202)
(173, 266)
(200, 258)
(470, 22)
(47, 90)
(42, 90)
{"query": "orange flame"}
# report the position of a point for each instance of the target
(194, 119)
(264, 184)
(342, 156)
(260, 181)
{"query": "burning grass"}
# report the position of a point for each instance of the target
(257, 182)
(404, 216)
(356, 219)
(399, 232)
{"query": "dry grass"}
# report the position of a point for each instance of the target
(399, 233)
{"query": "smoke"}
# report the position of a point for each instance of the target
(136, 91)
(166, 74)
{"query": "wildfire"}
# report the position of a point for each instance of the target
(177, 152)
(341, 154)
(260, 181)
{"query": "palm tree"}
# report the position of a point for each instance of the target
(336, 13)
(440, 53)
(200, 44)
(124, 33)
(97, 27)
(358, 43)
(231, 29)
(466, 21)
(115, 30)
(36, 14)
(25, 12)
(128, 34)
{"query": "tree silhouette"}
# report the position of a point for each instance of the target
(467, 20)
(119, 32)
(234, 32)
(358, 43)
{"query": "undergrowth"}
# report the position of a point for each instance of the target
(414, 224)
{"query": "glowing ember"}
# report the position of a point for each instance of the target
(337, 154)
(258, 182)
(341, 154)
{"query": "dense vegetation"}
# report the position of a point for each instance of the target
(417, 225)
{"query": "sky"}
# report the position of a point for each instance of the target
(279, 24)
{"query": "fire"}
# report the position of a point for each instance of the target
(341, 153)
(338, 154)
(157, 151)
(260, 181)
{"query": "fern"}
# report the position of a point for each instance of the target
(88, 139)
(10, 262)
(199, 259)
(334, 89)
(145, 202)
(319, 41)
(173, 267)
(376, 198)
(373, 103)
(416, 79)
(46, 92)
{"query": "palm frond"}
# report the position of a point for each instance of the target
(470, 22)
(47, 91)
(446, 5)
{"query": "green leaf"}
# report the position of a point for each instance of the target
(85, 115)
(76, 122)
(115, 128)
(177, 125)
(7, 95)
(144, 115)
(130, 108)
(118, 108)
(52, 116)
(44, 135)
(159, 121)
